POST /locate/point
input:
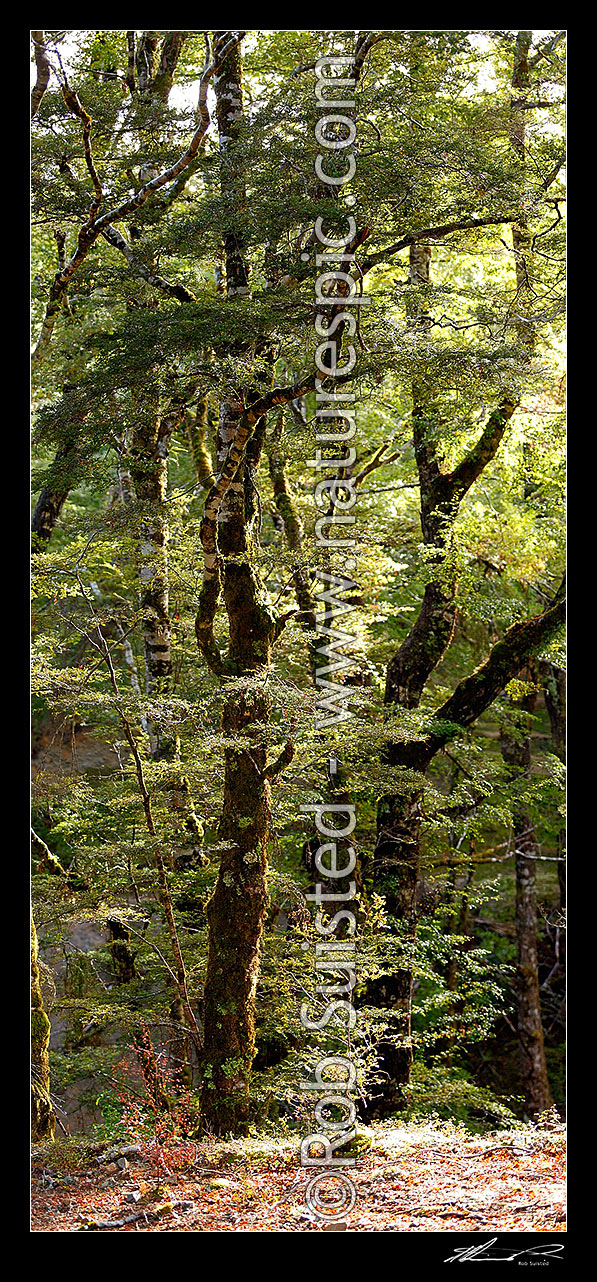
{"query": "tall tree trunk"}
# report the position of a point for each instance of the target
(294, 534)
(396, 873)
(237, 909)
(516, 751)
(236, 916)
(149, 473)
(397, 850)
(229, 115)
(554, 689)
(236, 912)
(42, 1113)
(197, 424)
(398, 837)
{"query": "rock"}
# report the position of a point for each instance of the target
(122, 1163)
(112, 1168)
(132, 1197)
(119, 1150)
(109, 1184)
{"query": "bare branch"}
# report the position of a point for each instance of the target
(544, 50)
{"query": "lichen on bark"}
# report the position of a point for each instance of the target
(42, 1112)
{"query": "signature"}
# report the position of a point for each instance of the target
(487, 1251)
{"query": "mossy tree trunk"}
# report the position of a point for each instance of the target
(197, 424)
(294, 534)
(516, 751)
(237, 909)
(554, 689)
(62, 476)
(42, 1113)
(397, 851)
(236, 912)
(396, 862)
(396, 872)
(236, 915)
(149, 473)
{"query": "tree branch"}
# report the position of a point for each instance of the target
(432, 233)
(94, 226)
(43, 71)
(279, 764)
(474, 694)
(117, 240)
(544, 50)
(458, 482)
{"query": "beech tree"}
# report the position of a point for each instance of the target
(184, 576)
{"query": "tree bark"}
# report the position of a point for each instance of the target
(236, 916)
(43, 71)
(554, 689)
(54, 494)
(42, 1113)
(237, 909)
(197, 424)
(396, 860)
(149, 473)
(516, 751)
(294, 533)
(397, 853)
(396, 873)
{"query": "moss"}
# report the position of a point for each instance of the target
(42, 1113)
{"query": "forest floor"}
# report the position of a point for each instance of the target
(409, 1179)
